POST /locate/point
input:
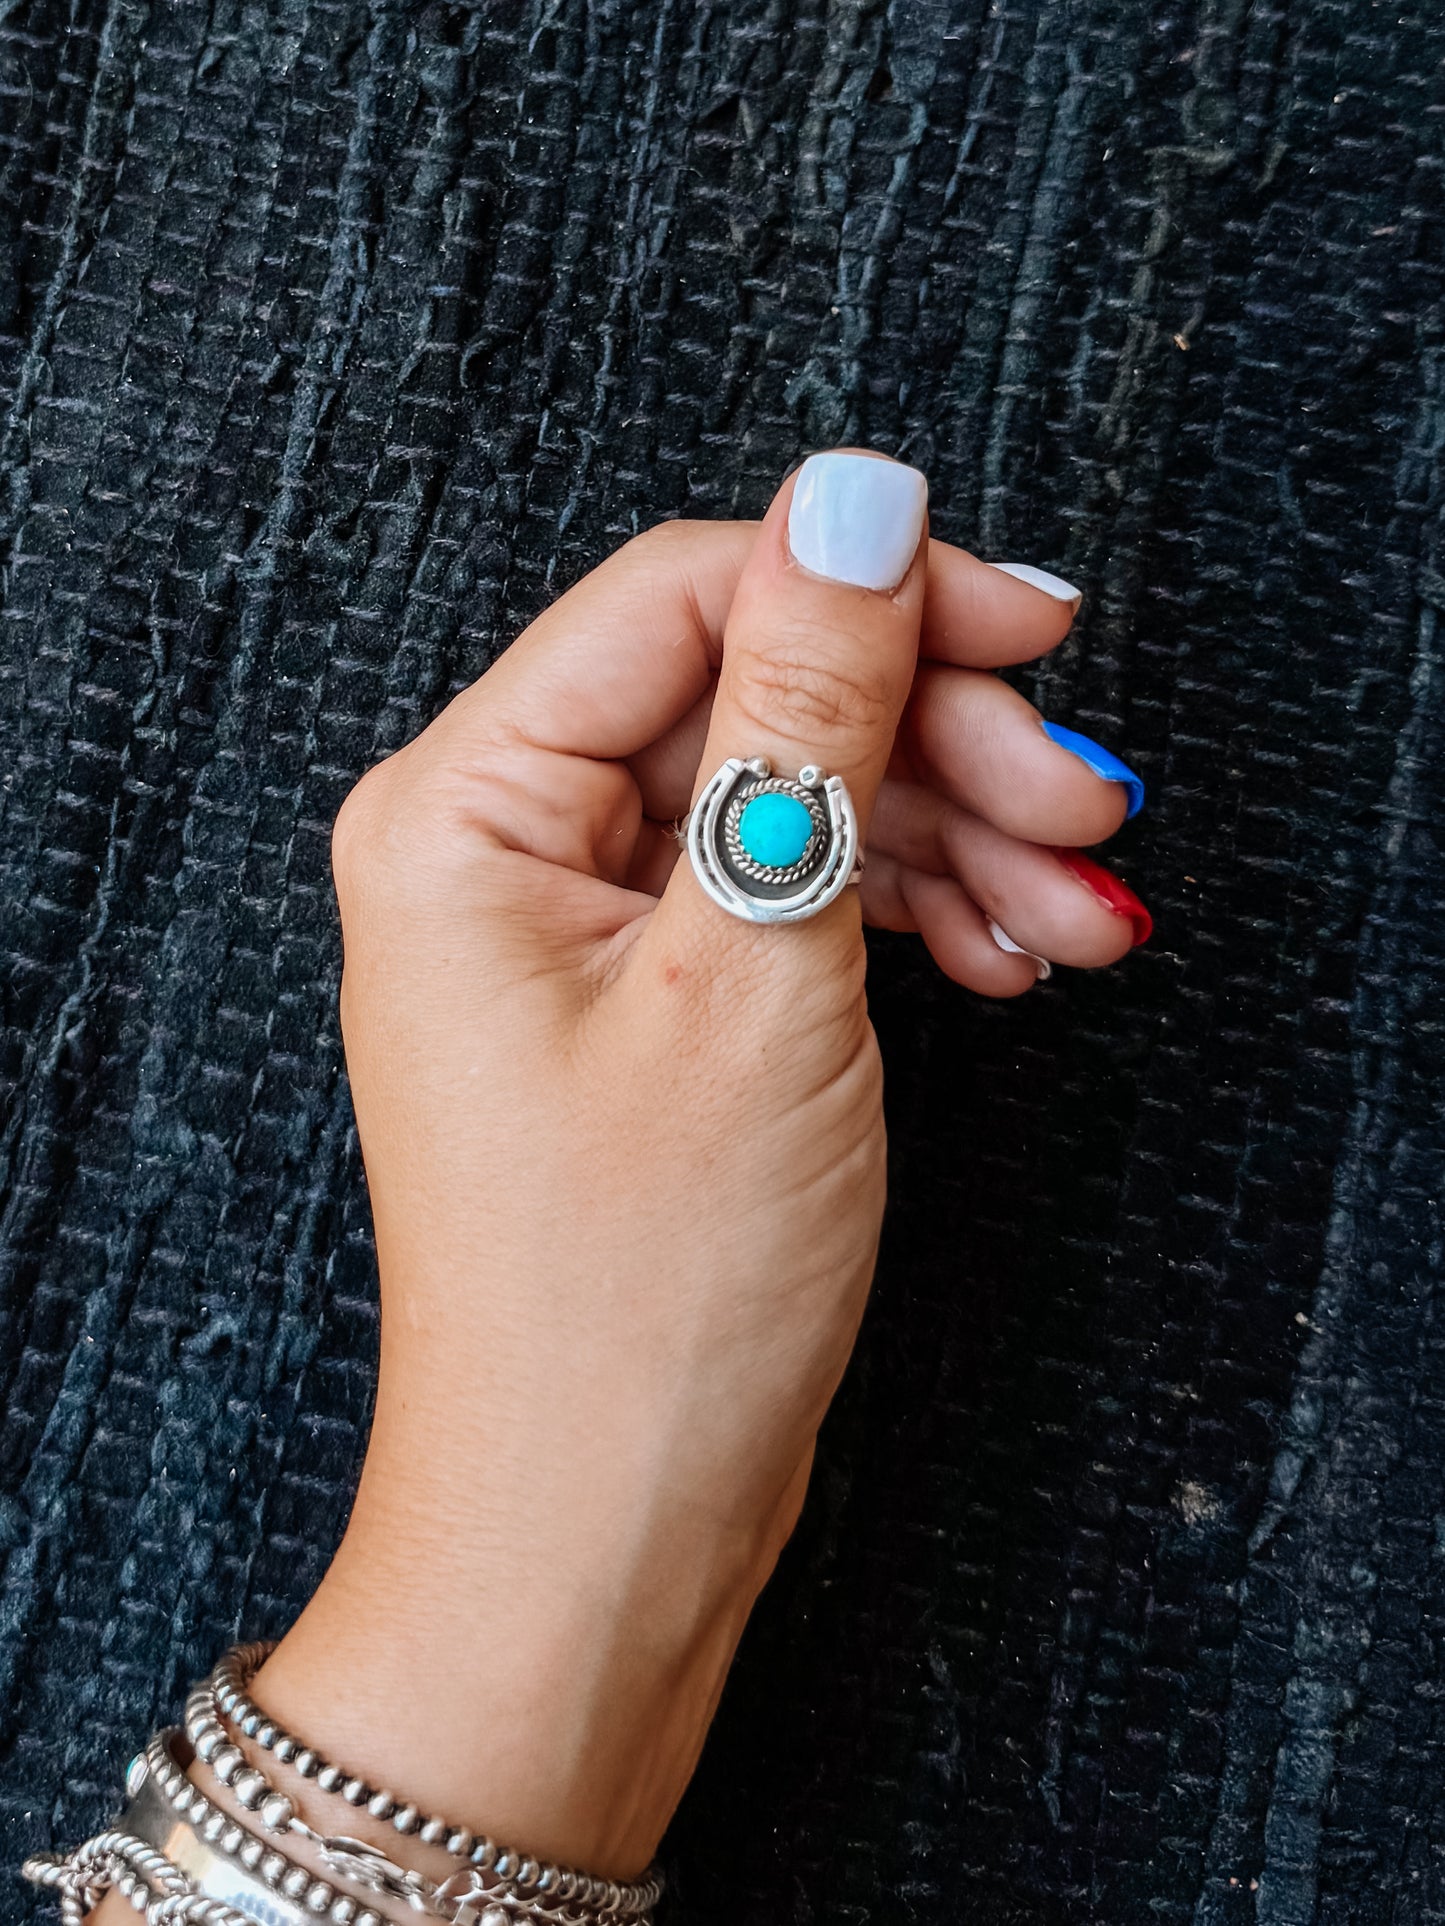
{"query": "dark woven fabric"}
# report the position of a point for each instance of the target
(336, 339)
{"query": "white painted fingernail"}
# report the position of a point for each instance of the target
(1045, 969)
(857, 519)
(1040, 578)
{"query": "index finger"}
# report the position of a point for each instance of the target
(619, 660)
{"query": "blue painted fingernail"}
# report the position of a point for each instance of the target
(1102, 761)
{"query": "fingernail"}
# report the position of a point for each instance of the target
(857, 519)
(1043, 968)
(1102, 761)
(1040, 578)
(1107, 889)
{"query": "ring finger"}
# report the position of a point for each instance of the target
(1054, 902)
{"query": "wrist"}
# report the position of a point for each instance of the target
(540, 1661)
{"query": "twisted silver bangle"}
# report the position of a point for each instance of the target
(119, 1860)
(224, 1696)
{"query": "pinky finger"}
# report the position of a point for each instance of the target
(896, 897)
(958, 938)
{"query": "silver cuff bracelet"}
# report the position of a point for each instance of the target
(151, 1817)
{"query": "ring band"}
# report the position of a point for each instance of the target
(773, 849)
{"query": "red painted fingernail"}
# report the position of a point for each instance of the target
(1113, 894)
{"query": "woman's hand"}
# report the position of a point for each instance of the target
(626, 1153)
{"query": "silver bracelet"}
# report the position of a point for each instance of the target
(119, 1860)
(181, 1859)
(208, 1870)
(293, 1895)
(212, 1873)
(469, 1898)
(353, 1859)
(224, 1696)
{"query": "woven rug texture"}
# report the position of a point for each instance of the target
(335, 340)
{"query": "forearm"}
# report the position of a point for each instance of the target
(536, 1658)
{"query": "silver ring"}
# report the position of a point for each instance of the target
(779, 865)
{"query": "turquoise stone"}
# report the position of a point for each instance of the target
(775, 829)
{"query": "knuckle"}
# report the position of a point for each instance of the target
(403, 829)
(360, 827)
(799, 693)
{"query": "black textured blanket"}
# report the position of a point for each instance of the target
(334, 339)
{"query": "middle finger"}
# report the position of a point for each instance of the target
(983, 746)
(970, 738)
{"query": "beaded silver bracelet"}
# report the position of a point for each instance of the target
(212, 1871)
(224, 1696)
(298, 1888)
(469, 1898)
(180, 1857)
(353, 1859)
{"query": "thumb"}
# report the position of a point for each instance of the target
(818, 654)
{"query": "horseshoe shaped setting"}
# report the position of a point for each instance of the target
(773, 849)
